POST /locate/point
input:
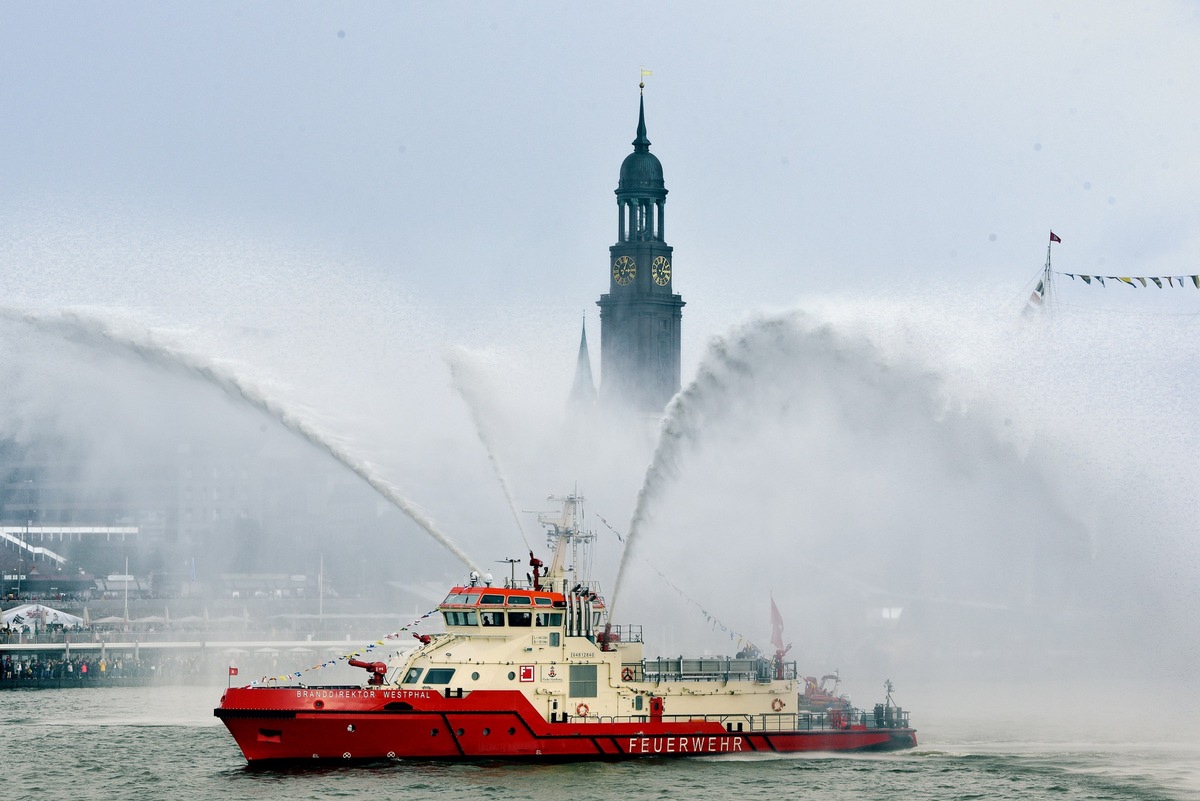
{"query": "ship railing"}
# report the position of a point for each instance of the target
(565, 586)
(833, 720)
(769, 722)
(724, 669)
(627, 632)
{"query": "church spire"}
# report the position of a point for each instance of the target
(641, 143)
(640, 313)
(583, 392)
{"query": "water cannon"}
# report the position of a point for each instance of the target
(537, 565)
(424, 639)
(377, 670)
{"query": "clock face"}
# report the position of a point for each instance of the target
(660, 271)
(624, 269)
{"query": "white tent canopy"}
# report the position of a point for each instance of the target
(38, 617)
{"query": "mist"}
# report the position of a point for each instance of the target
(932, 495)
(364, 264)
(926, 485)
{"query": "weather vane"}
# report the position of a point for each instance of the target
(645, 73)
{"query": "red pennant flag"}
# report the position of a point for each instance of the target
(1054, 237)
(232, 670)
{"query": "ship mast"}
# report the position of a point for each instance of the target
(565, 532)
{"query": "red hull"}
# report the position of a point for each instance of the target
(277, 724)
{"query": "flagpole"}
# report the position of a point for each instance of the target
(1046, 276)
(1048, 272)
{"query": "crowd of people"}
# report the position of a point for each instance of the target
(38, 669)
(24, 633)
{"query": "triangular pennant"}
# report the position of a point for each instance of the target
(1157, 282)
(1143, 280)
(1127, 281)
(1087, 279)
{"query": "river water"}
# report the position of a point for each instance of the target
(164, 743)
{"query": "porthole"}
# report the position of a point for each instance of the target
(350, 728)
(512, 730)
(511, 675)
(433, 733)
(318, 704)
(486, 732)
(474, 677)
(460, 732)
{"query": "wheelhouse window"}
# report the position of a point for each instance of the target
(439, 675)
(413, 675)
(523, 619)
(542, 601)
(547, 618)
(492, 618)
(470, 618)
(491, 599)
(519, 600)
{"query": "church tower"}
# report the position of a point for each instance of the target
(640, 315)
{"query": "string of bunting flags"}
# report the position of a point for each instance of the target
(743, 642)
(1144, 280)
(354, 654)
(1038, 297)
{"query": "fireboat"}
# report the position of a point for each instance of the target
(534, 670)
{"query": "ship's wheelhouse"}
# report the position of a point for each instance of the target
(468, 610)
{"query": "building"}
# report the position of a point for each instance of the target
(640, 315)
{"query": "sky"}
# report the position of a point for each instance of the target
(467, 152)
(326, 198)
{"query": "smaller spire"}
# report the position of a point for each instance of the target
(583, 393)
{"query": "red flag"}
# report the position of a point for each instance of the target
(232, 670)
(1054, 237)
(776, 626)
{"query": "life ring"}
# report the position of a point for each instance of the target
(581, 710)
(627, 674)
(777, 704)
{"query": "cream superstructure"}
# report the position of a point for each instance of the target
(550, 638)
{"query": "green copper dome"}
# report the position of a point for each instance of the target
(641, 172)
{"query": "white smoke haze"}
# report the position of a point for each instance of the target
(93, 332)
(981, 480)
(1016, 495)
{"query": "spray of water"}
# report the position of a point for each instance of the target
(808, 431)
(93, 332)
(723, 370)
(466, 384)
